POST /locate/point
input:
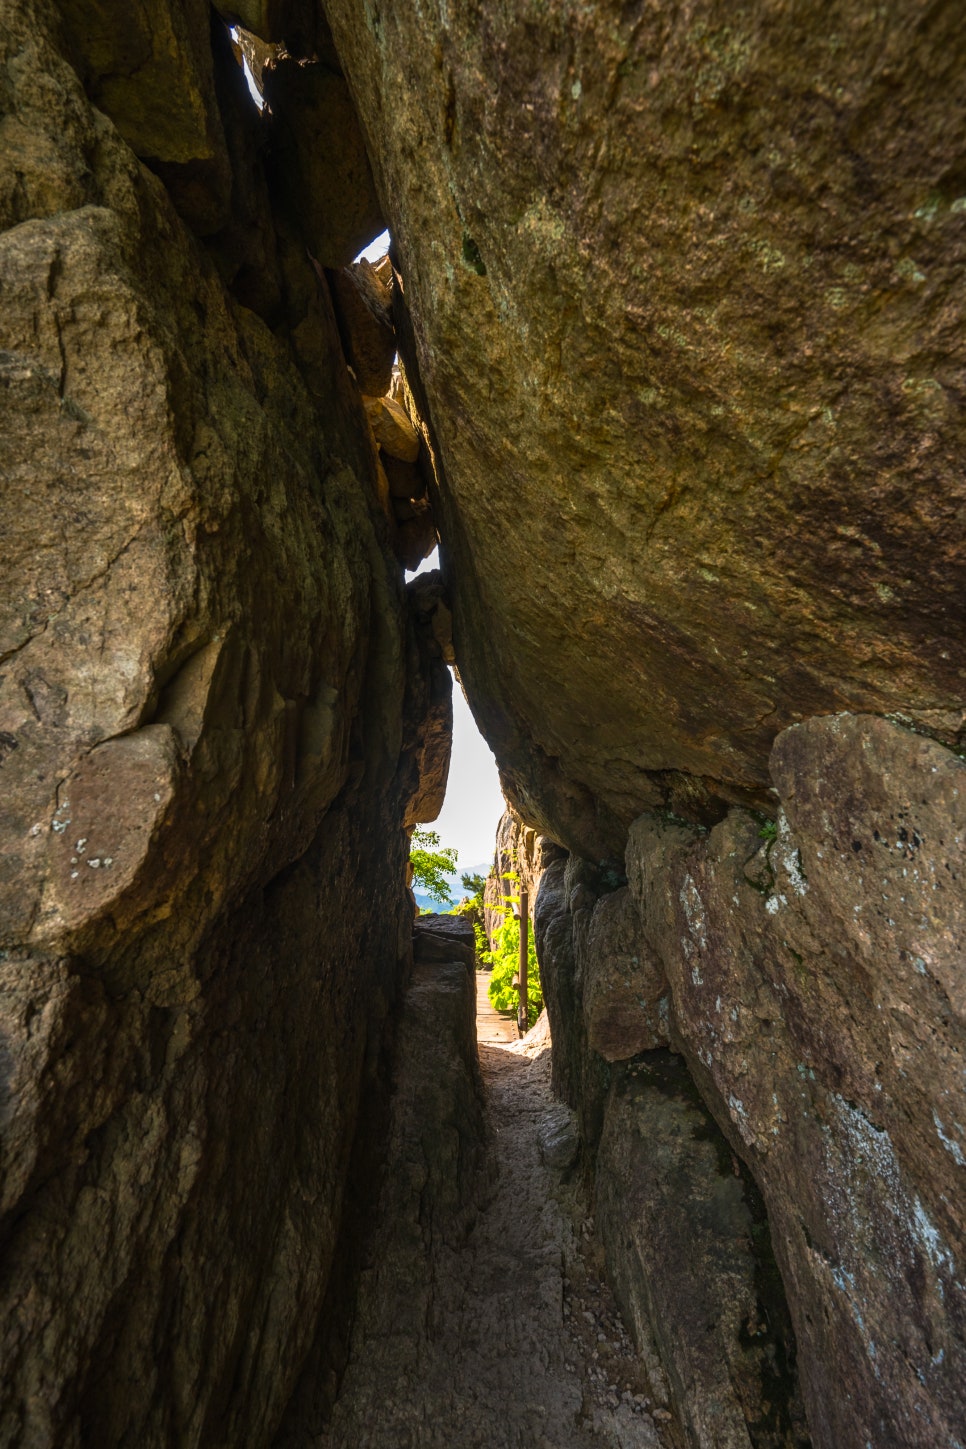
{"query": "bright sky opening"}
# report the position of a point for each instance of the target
(474, 801)
(375, 249)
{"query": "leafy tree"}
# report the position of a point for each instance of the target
(471, 909)
(432, 863)
(505, 960)
(474, 886)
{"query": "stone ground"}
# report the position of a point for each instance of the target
(504, 1335)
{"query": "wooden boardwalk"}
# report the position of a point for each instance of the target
(492, 1027)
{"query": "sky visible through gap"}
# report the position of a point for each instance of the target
(474, 801)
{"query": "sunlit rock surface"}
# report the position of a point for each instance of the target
(686, 308)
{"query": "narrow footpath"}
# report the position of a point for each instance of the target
(483, 1321)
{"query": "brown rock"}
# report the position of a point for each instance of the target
(520, 856)
(688, 1251)
(625, 993)
(149, 67)
(384, 271)
(363, 307)
(437, 939)
(431, 751)
(104, 832)
(405, 479)
(416, 537)
(392, 428)
(655, 237)
(257, 53)
(321, 169)
(207, 688)
(821, 1015)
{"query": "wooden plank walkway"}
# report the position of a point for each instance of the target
(492, 1027)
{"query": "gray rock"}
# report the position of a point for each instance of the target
(558, 1139)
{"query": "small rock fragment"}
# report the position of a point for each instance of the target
(558, 1139)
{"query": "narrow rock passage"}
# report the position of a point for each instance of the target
(482, 1322)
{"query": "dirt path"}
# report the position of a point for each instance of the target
(492, 1330)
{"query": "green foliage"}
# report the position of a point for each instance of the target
(474, 886)
(769, 831)
(432, 863)
(505, 960)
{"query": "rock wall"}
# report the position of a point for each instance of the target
(213, 707)
(520, 857)
(808, 976)
(683, 313)
(684, 289)
(430, 1184)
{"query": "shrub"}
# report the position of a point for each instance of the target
(505, 960)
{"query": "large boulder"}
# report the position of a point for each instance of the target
(686, 312)
(815, 972)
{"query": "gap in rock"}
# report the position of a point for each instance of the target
(248, 49)
(474, 800)
(376, 249)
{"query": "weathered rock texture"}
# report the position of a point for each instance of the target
(519, 859)
(685, 1231)
(686, 311)
(682, 308)
(211, 698)
(810, 974)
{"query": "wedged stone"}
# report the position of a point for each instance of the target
(429, 754)
(625, 991)
(405, 479)
(363, 306)
(298, 25)
(819, 1006)
(403, 510)
(392, 429)
(320, 167)
(257, 54)
(415, 537)
(149, 67)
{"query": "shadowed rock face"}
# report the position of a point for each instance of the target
(811, 978)
(684, 285)
(213, 708)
